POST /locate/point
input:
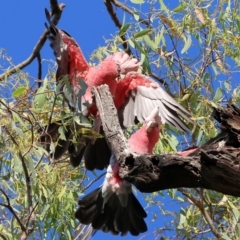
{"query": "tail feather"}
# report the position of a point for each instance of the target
(138, 209)
(77, 152)
(112, 216)
(89, 207)
(97, 154)
(136, 219)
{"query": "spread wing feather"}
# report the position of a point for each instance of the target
(142, 100)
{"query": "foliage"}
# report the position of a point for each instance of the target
(192, 49)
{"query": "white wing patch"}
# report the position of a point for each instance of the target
(141, 103)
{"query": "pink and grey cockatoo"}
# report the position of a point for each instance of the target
(113, 207)
(135, 95)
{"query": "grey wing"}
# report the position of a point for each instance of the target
(140, 104)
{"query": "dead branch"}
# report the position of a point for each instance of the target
(217, 167)
(57, 12)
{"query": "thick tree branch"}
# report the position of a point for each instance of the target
(216, 167)
(57, 11)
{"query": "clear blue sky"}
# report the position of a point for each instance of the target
(21, 25)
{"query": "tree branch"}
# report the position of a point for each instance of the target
(9, 207)
(115, 19)
(128, 10)
(57, 11)
(29, 230)
(216, 167)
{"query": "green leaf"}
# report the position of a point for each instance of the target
(142, 33)
(63, 191)
(225, 236)
(82, 120)
(185, 97)
(131, 43)
(163, 6)
(19, 131)
(145, 65)
(187, 44)
(19, 92)
(18, 119)
(36, 110)
(218, 95)
(32, 169)
(179, 8)
(150, 43)
(61, 131)
(173, 142)
(227, 85)
(183, 220)
(17, 164)
(82, 91)
(40, 97)
(139, 47)
(124, 29)
(136, 16)
(235, 213)
(45, 193)
(137, 1)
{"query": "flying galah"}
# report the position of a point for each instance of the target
(135, 95)
(113, 207)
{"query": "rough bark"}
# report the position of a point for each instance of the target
(215, 167)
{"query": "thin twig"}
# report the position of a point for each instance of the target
(27, 179)
(31, 215)
(203, 211)
(93, 181)
(115, 19)
(9, 207)
(163, 82)
(128, 10)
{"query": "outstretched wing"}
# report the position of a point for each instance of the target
(144, 95)
(71, 63)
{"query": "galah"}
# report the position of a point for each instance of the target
(113, 207)
(135, 95)
(73, 65)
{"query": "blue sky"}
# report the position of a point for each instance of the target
(22, 23)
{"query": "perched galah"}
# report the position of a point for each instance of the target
(135, 95)
(73, 65)
(113, 207)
